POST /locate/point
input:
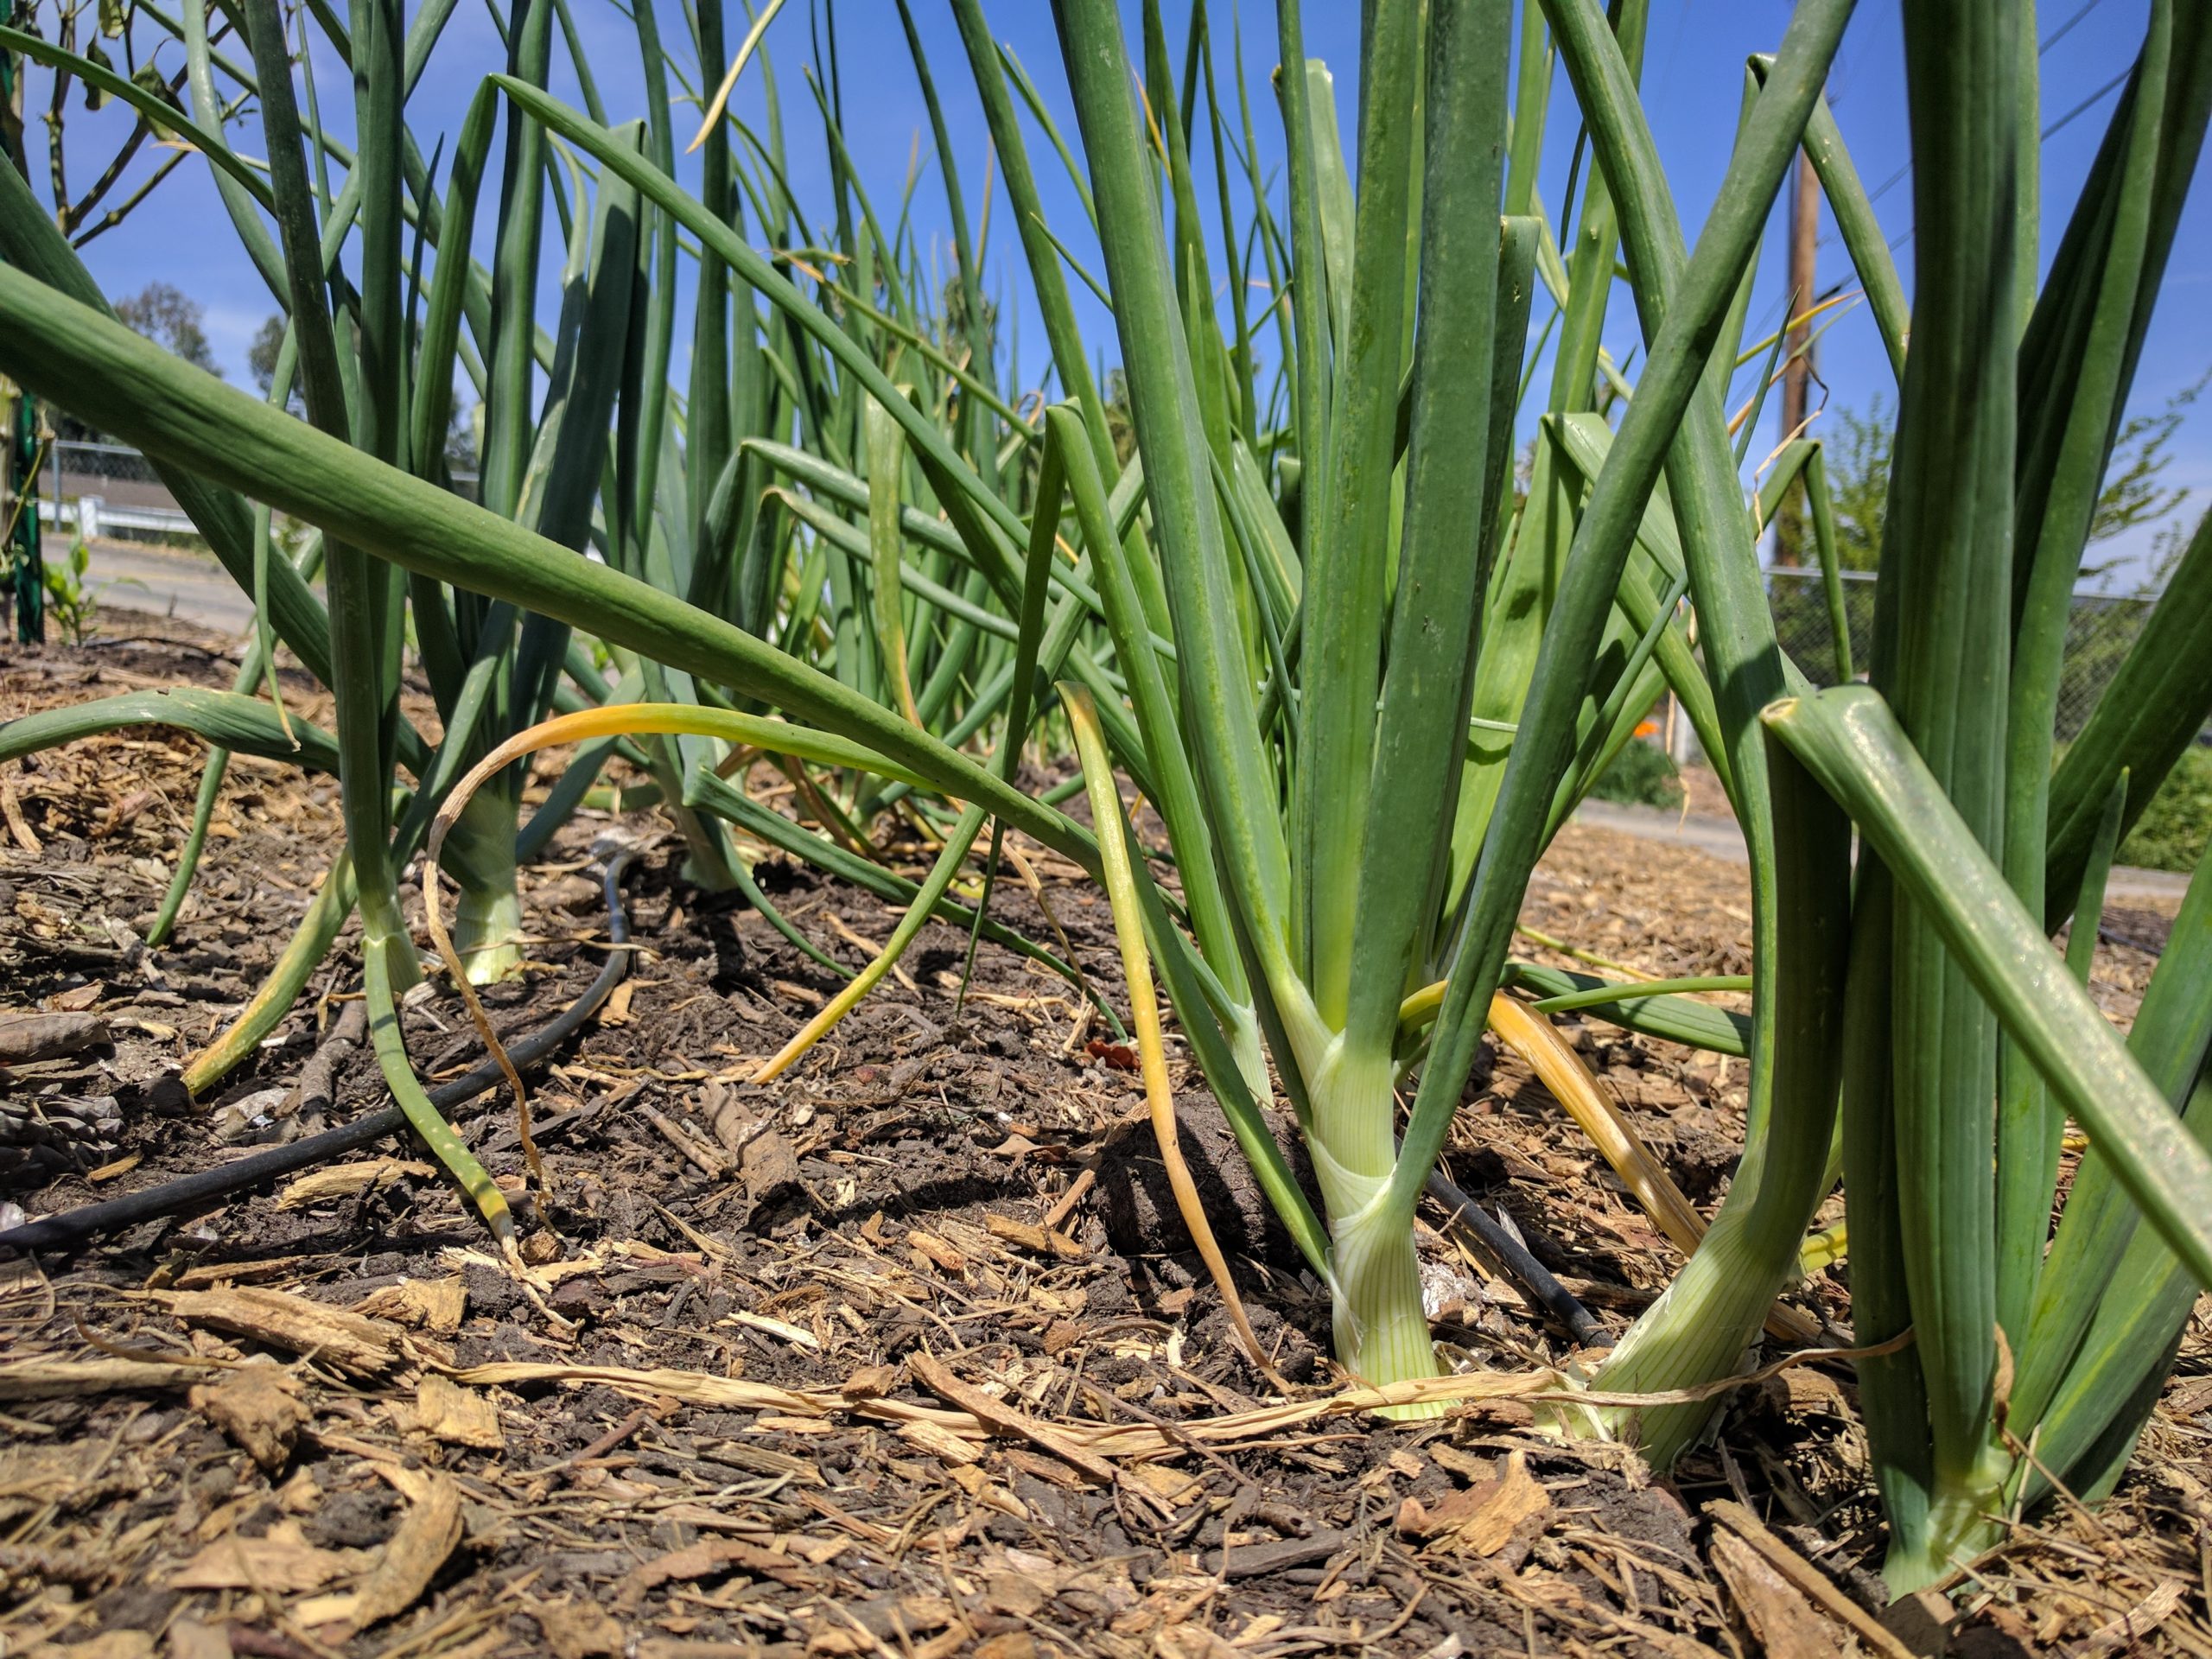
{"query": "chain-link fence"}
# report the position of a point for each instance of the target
(110, 471)
(2098, 636)
(105, 491)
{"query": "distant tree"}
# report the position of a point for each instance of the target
(261, 355)
(1860, 448)
(2165, 552)
(2133, 495)
(173, 320)
(461, 435)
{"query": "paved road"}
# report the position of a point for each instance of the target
(166, 582)
(1721, 838)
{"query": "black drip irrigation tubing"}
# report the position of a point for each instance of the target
(1463, 1212)
(188, 1193)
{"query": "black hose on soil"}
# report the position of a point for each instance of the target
(208, 1186)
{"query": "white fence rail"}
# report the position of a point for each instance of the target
(92, 516)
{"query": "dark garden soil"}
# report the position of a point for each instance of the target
(903, 1354)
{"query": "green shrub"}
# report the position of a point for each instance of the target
(1642, 774)
(2177, 825)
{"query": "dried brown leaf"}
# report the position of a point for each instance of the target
(427, 1534)
(1002, 1418)
(1479, 1520)
(706, 1558)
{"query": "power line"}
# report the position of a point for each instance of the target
(2079, 110)
(2094, 98)
(2059, 33)
(1888, 184)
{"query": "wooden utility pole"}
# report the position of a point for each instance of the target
(1797, 366)
(21, 563)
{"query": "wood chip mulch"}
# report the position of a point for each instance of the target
(895, 1356)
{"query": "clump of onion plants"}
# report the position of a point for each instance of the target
(581, 436)
(1363, 678)
(1919, 992)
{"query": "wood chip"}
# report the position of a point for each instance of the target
(259, 1407)
(432, 1304)
(932, 1251)
(26, 1038)
(576, 1629)
(52, 1379)
(190, 1639)
(709, 1162)
(110, 1644)
(870, 1382)
(1039, 1241)
(351, 1341)
(768, 1165)
(1782, 1620)
(795, 1334)
(335, 1181)
(1257, 1561)
(1808, 1578)
(940, 1443)
(461, 1416)
(1171, 1486)
(237, 1272)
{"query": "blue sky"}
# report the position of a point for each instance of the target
(1692, 80)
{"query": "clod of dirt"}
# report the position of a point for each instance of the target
(353, 1520)
(1139, 1204)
